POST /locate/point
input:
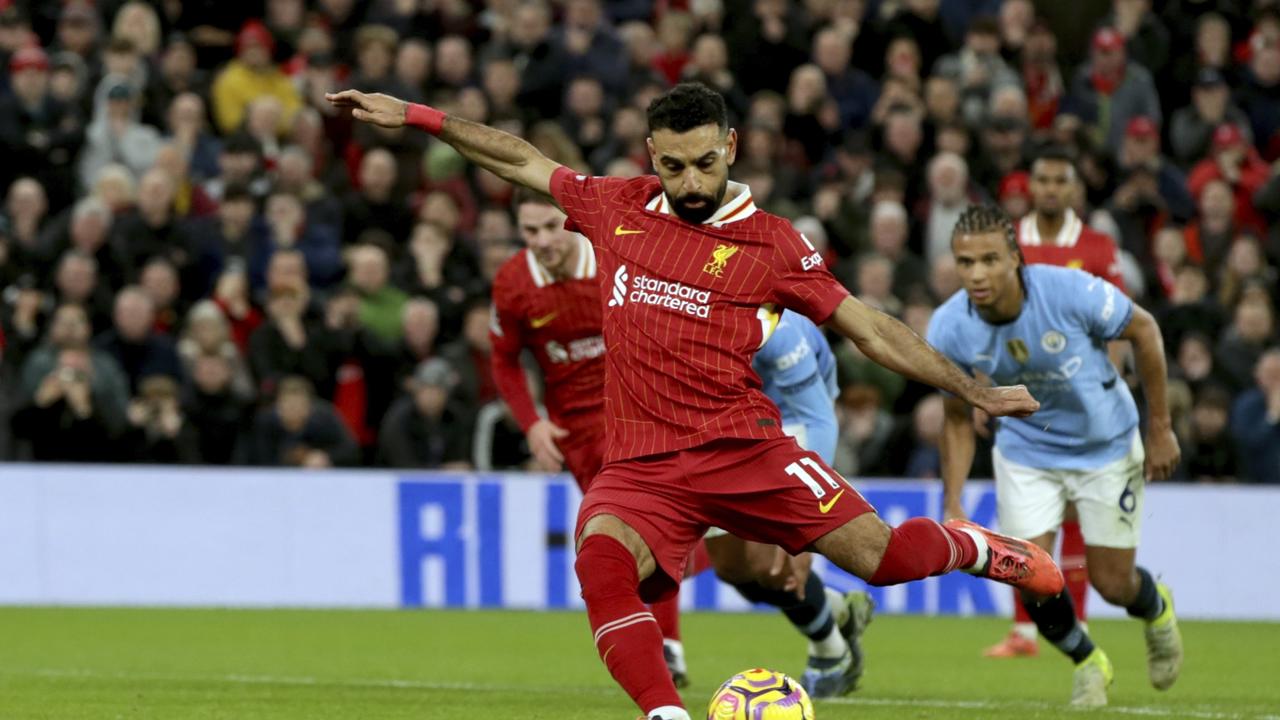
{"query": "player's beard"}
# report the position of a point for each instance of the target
(699, 214)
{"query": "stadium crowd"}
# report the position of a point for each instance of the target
(203, 262)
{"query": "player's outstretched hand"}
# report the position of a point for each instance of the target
(376, 108)
(542, 437)
(1009, 401)
(1163, 453)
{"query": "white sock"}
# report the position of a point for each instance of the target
(831, 646)
(1025, 630)
(983, 551)
(668, 712)
(677, 651)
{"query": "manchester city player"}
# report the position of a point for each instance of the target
(1048, 328)
(798, 371)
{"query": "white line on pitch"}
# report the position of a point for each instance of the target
(305, 680)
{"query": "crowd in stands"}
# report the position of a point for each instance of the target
(203, 262)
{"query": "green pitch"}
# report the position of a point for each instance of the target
(432, 665)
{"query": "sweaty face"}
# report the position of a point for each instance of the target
(694, 168)
(987, 267)
(542, 229)
(1051, 186)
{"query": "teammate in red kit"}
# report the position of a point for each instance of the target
(694, 276)
(1052, 234)
(546, 298)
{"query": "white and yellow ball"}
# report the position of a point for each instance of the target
(760, 694)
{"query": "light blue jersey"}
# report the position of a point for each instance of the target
(1057, 347)
(798, 370)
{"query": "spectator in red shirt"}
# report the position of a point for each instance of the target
(1237, 163)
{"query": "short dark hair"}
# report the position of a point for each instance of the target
(687, 106)
(524, 195)
(983, 219)
(984, 25)
(1056, 153)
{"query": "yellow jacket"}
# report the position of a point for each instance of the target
(237, 86)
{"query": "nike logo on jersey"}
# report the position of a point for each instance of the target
(624, 231)
(541, 322)
(825, 507)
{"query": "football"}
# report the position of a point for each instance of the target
(760, 694)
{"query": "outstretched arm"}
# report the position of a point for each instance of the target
(501, 153)
(958, 447)
(893, 345)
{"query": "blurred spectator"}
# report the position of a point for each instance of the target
(1194, 363)
(284, 226)
(38, 134)
(1259, 95)
(378, 203)
(1041, 77)
(207, 334)
(592, 47)
(291, 341)
(925, 460)
(1140, 150)
(133, 342)
(427, 428)
(158, 430)
(1014, 194)
(189, 199)
(71, 397)
(299, 430)
(221, 414)
(78, 30)
(251, 75)
(1210, 234)
(920, 19)
(375, 58)
(874, 284)
(469, 357)
(889, 234)
(159, 280)
(150, 229)
(185, 121)
(1111, 90)
(176, 75)
(412, 66)
(1146, 38)
(454, 64)
(1209, 59)
(295, 174)
(1210, 456)
(1190, 309)
(812, 120)
(1192, 129)
(1234, 160)
(1255, 423)
(26, 208)
(948, 196)
(584, 113)
(221, 241)
(1169, 252)
(867, 431)
(88, 232)
(381, 304)
(977, 68)
(77, 281)
(766, 43)
(419, 328)
(1245, 266)
(1252, 329)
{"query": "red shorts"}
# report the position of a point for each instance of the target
(768, 491)
(583, 453)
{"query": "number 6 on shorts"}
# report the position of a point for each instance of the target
(797, 471)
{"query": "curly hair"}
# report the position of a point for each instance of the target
(687, 106)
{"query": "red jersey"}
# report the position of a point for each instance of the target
(685, 309)
(559, 320)
(1077, 246)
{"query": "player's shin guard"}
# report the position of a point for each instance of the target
(812, 616)
(1074, 570)
(919, 548)
(626, 634)
(1148, 604)
(1056, 619)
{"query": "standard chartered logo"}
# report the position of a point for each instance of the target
(645, 290)
(619, 287)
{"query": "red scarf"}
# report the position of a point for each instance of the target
(1105, 84)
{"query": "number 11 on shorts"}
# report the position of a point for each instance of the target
(796, 470)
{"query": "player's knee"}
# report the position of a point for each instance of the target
(858, 546)
(1117, 586)
(610, 526)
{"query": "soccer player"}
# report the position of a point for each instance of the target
(694, 277)
(1048, 327)
(546, 298)
(1052, 234)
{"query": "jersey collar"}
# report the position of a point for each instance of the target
(739, 208)
(584, 269)
(1068, 235)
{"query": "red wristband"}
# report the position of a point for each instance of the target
(424, 117)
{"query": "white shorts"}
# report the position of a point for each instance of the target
(1030, 501)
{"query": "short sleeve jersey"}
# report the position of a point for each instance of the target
(559, 321)
(1057, 347)
(686, 306)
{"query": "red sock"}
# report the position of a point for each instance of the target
(626, 635)
(919, 548)
(1074, 568)
(667, 613)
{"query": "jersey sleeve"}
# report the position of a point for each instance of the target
(801, 280)
(582, 197)
(1102, 307)
(506, 335)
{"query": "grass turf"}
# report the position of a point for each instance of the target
(243, 664)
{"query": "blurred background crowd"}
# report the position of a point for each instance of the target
(202, 262)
